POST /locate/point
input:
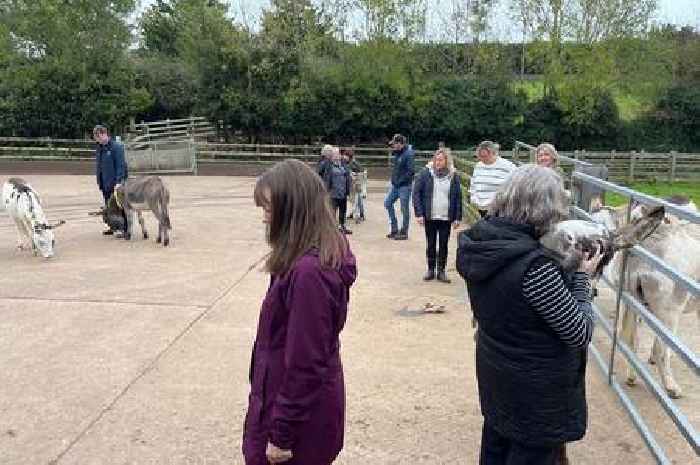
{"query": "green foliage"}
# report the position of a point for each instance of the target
(577, 118)
(67, 67)
(673, 123)
(593, 80)
(658, 189)
(465, 111)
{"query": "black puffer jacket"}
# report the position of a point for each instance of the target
(531, 385)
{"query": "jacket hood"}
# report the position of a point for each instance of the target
(492, 244)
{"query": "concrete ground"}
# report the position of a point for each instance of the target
(119, 352)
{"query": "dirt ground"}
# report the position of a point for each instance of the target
(119, 352)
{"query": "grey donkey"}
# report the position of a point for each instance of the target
(148, 193)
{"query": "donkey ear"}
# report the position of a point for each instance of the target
(639, 229)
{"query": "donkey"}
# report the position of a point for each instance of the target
(148, 193)
(678, 244)
(23, 204)
(569, 240)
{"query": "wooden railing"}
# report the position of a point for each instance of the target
(622, 166)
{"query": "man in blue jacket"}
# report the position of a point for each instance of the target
(111, 169)
(401, 182)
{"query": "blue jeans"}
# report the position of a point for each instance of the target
(403, 194)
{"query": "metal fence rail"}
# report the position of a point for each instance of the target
(658, 328)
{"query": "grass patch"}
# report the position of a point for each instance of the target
(658, 189)
(629, 106)
(534, 90)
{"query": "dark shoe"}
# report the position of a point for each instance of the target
(429, 275)
(391, 235)
(345, 230)
(350, 216)
(442, 277)
(400, 237)
(109, 232)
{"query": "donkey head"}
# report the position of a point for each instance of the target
(569, 241)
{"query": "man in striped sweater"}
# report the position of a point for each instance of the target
(489, 174)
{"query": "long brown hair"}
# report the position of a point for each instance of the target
(301, 217)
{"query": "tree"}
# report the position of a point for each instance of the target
(583, 22)
(72, 59)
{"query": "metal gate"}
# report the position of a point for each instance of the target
(162, 157)
(659, 330)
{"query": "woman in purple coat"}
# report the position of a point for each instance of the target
(296, 407)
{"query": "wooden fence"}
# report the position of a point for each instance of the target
(194, 127)
(623, 167)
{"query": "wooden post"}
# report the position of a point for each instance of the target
(630, 177)
(672, 169)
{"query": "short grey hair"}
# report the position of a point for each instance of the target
(327, 151)
(488, 145)
(532, 195)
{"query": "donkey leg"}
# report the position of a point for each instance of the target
(143, 224)
(166, 236)
(23, 235)
(629, 335)
(129, 216)
(661, 353)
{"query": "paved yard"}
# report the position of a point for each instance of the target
(119, 352)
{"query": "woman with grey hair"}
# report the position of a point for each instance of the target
(534, 323)
(489, 174)
(546, 155)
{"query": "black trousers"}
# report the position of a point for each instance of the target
(499, 450)
(340, 207)
(437, 235)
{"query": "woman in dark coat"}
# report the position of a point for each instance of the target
(437, 203)
(534, 324)
(296, 407)
(337, 177)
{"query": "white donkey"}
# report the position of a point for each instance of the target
(23, 204)
(677, 243)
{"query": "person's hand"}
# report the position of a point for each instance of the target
(590, 261)
(421, 220)
(276, 455)
(455, 224)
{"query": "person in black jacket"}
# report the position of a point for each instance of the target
(400, 189)
(437, 203)
(110, 165)
(534, 324)
(338, 180)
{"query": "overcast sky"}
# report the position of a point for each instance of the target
(680, 12)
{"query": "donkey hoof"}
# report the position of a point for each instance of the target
(674, 393)
(166, 242)
(145, 236)
(631, 381)
(652, 361)
(158, 241)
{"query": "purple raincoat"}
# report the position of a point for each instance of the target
(297, 394)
